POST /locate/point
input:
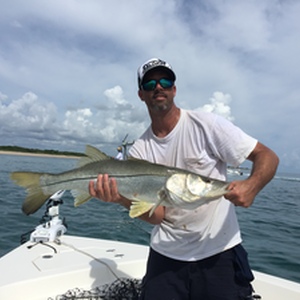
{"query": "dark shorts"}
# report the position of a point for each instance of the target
(225, 276)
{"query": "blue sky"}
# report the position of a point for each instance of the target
(68, 68)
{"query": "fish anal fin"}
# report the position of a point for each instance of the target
(80, 197)
(92, 155)
(138, 208)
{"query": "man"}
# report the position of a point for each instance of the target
(119, 156)
(195, 254)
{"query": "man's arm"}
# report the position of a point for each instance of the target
(106, 189)
(265, 162)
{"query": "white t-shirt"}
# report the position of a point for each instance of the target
(119, 156)
(203, 143)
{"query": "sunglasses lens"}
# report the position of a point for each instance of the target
(151, 84)
(166, 83)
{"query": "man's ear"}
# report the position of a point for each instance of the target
(140, 93)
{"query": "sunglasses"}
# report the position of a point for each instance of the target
(163, 82)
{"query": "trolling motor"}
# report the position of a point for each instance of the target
(53, 229)
(125, 144)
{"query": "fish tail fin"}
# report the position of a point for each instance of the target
(35, 195)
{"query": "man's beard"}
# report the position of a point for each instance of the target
(160, 106)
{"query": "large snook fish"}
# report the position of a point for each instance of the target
(148, 185)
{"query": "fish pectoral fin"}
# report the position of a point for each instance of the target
(80, 197)
(138, 208)
(158, 203)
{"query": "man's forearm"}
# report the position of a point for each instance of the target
(265, 163)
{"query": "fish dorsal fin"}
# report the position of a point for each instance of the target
(92, 155)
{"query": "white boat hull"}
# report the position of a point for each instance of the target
(39, 273)
(42, 272)
(275, 288)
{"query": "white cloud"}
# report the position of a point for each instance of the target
(28, 117)
(79, 60)
(76, 122)
(115, 95)
(219, 104)
(26, 114)
(3, 97)
(242, 25)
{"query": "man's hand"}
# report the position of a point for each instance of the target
(265, 162)
(106, 189)
(241, 193)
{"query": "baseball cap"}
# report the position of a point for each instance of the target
(151, 64)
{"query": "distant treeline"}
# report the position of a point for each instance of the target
(39, 151)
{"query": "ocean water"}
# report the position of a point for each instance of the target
(270, 227)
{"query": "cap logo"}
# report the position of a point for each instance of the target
(152, 64)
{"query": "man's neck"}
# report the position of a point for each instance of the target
(164, 122)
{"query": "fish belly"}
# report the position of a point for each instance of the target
(142, 188)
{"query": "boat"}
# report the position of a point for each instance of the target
(55, 266)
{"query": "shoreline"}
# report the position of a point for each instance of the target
(37, 154)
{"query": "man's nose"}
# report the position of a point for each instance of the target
(158, 86)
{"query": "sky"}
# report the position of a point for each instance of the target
(68, 69)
